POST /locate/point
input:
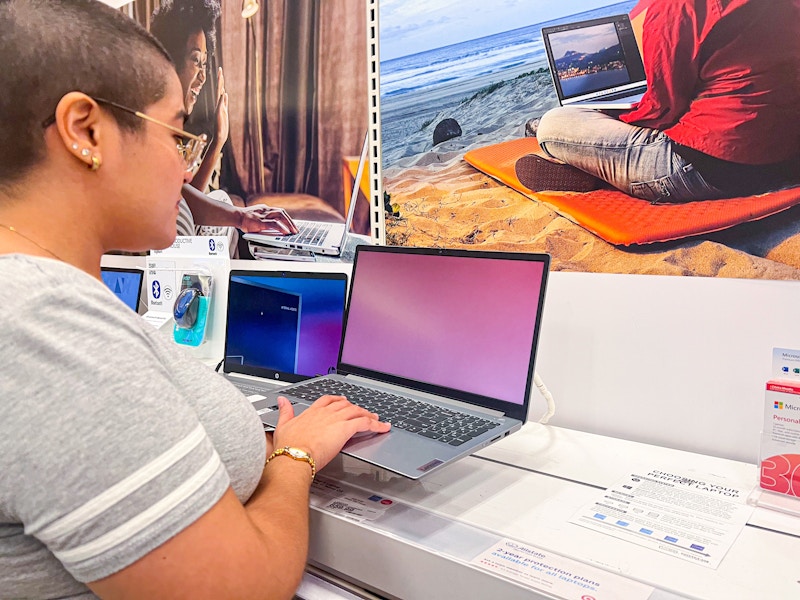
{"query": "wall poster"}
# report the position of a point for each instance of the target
(458, 76)
(280, 88)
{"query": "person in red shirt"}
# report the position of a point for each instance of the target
(720, 118)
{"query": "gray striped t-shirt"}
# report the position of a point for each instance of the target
(112, 438)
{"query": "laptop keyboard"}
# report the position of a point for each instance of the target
(252, 390)
(625, 94)
(428, 420)
(310, 234)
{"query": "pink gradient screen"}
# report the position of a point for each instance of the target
(460, 322)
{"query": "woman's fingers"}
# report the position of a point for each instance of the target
(325, 426)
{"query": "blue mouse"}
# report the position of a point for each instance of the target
(185, 309)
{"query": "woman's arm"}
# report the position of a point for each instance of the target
(207, 211)
(253, 551)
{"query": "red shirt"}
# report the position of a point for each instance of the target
(723, 76)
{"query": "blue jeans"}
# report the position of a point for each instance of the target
(639, 161)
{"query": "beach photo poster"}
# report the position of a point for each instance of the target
(295, 74)
(459, 76)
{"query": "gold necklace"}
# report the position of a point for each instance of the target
(34, 242)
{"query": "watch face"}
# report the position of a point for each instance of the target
(297, 453)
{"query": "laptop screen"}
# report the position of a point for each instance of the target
(593, 56)
(443, 320)
(125, 283)
(284, 325)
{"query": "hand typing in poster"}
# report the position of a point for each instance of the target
(250, 219)
(261, 217)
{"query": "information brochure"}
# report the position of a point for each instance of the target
(353, 504)
(532, 567)
(695, 519)
(557, 575)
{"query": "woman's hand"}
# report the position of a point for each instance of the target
(222, 125)
(263, 218)
(324, 428)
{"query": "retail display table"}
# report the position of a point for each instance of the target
(424, 540)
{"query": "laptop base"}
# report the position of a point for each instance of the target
(625, 103)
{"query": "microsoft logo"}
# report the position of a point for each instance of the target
(779, 405)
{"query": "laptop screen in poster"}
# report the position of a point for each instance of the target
(593, 55)
(450, 321)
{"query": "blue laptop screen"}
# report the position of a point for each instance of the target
(125, 283)
(284, 323)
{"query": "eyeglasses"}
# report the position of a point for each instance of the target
(199, 64)
(190, 147)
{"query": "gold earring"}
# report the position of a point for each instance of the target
(95, 163)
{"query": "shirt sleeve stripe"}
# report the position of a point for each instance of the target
(109, 497)
(145, 518)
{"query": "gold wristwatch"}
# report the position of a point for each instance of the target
(296, 454)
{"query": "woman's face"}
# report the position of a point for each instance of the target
(192, 71)
(153, 171)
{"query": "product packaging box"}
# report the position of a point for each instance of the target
(780, 437)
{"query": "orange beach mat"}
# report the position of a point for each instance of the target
(621, 219)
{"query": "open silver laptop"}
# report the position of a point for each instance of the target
(439, 342)
(596, 63)
(319, 237)
(282, 327)
(126, 283)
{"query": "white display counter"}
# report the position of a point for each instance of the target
(527, 488)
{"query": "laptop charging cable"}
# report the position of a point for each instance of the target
(551, 404)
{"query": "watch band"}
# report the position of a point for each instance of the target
(296, 454)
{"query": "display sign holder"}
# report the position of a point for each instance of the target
(779, 457)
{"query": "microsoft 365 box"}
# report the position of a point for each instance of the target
(780, 437)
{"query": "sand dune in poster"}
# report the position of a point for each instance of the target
(443, 201)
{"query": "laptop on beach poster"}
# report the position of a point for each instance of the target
(596, 63)
(439, 342)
